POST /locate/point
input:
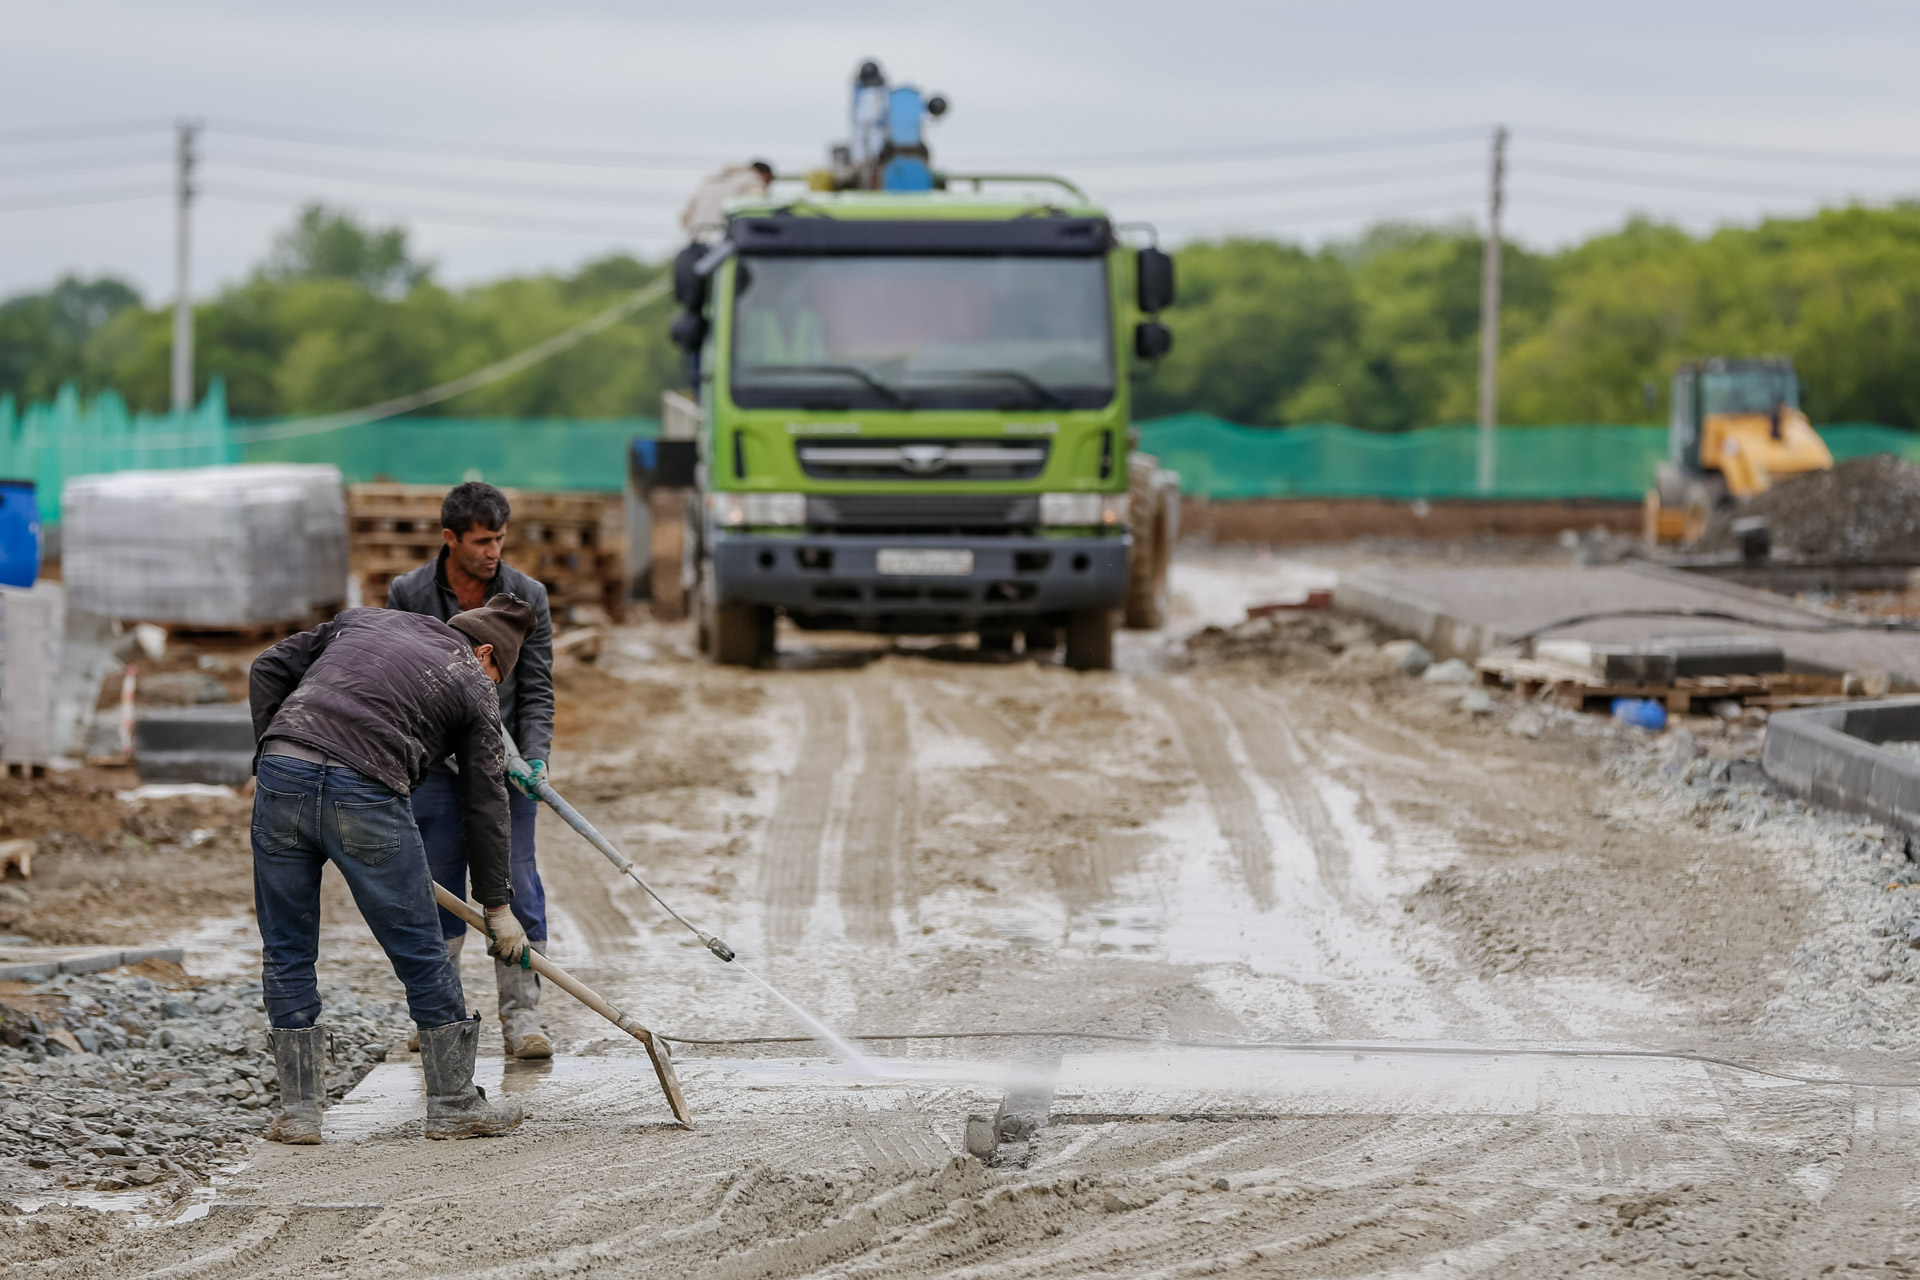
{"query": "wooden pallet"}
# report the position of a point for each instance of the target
(1580, 689)
(574, 544)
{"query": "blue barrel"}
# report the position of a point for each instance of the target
(19, 534)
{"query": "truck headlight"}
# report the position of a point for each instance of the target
(1108, 509)
(739, 510)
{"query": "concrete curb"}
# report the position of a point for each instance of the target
(37, 964)
(211, 743)
(1423, 618)
(1831, 756)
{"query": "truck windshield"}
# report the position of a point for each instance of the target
(1748, 390)
(932, 332)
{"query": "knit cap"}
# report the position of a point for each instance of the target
(503, 622)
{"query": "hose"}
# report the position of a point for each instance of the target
(1322, 1046)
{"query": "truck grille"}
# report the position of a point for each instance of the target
(964, 459)
(918, 513)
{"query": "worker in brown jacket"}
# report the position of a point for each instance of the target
(347, 718)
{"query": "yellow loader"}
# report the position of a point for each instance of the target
(1736, 427)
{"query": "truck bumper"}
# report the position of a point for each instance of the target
(833, 580)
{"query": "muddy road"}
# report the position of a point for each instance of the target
(1262, 836)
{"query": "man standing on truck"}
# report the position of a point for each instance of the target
(345, 717)
(469, 569)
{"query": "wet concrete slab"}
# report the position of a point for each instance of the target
(621, 1088)
(1077, 1089)
(1467, 611)
(1277, 1083)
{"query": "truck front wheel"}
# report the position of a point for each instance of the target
(1090, 639)
(733, 635)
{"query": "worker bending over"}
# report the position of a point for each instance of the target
(346, 717)
(473, 528)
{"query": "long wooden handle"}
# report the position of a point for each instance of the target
(656, 1048)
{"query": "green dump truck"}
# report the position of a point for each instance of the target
(913, 406)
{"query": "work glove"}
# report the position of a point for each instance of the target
(506, 940)
(529, 779)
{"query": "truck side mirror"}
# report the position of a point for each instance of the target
(1155, 280)
(689, 286)
(688, 330)
(1151, 340)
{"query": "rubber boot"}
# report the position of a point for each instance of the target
(300, 1054)
(453, 954)
(456, 1106)
(520, 1009)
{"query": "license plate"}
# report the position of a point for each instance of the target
(934, 562)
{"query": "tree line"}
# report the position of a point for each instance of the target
(1379, 332)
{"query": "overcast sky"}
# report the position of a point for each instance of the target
(1124, 96)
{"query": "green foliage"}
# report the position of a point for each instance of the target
(1381, 332)
(341, 317)
(44, 336)
(323, 245)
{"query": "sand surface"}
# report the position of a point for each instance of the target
(1288, 843)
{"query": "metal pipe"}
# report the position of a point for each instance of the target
(572, 817)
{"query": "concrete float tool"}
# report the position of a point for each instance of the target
(656, 1048)
(571, 816)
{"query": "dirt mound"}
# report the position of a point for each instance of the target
(1865, 509)
(1306, 638)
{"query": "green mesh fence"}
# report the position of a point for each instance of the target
(538, 453)
(47, 443)
(1218, 459)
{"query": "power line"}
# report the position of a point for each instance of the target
(99, 195)
(450, 183)
(1313, 182)
(131, 161)
(1464, 200)
(82, 132)
(1212, 155)
(1573, 202)
(451, 146)
(478, 378)
(1669, 181)
(1721, 151)
(446, 217)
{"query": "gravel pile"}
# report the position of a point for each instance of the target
(1864, 510)
(1854, 982)
(145, 1077)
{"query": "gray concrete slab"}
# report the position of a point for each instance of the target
(1465, 612)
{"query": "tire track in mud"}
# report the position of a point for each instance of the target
(1278, 755)
(876, 862)
(790, 856)
(1228, 794)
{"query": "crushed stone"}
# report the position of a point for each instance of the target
(148, 1077)
(1864, 510)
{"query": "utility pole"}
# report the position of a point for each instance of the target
(1490, 314)
(184, 158)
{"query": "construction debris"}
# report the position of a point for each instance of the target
(1865, 510)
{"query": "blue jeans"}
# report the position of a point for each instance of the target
(306, 815)
(441, 816)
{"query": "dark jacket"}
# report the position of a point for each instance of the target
(388, 693)
(526, 695)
